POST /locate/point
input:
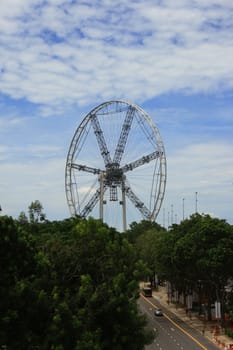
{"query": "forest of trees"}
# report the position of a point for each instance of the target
(74, 284)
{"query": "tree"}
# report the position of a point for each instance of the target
(22, 218)
(75, 288)
(96, 275)
(16, 269)
(198, 254)
(137, 229)
(36, 212)
(145, 245)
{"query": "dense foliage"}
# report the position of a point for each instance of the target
(74, 284)
(194, 256)
(71, 284)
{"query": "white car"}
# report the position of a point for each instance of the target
(158, 312)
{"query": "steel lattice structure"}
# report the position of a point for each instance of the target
(116, 149)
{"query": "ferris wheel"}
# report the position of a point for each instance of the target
(116, 165)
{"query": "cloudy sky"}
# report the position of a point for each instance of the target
(61, 58)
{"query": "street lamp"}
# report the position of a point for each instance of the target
(183, 208)
(171, 214)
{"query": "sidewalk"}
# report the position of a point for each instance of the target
(209, 329)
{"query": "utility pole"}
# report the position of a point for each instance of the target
(196, 202)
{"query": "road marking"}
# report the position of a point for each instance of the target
(177, 326)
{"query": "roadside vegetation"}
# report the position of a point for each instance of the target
(195, 256)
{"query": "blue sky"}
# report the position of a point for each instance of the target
(59, 59)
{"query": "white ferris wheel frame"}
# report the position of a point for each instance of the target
(114, 175)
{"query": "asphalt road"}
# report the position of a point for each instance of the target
(172, 333)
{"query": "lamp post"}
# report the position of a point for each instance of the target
(183, 208)
(172, 214)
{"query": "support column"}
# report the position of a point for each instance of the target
(101, 207)
(123, 205)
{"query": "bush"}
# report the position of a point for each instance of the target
(229, 332)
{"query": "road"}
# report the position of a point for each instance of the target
(172, 333)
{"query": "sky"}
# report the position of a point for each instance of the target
(173, 58)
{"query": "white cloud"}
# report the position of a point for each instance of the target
(8, 123)
(3, 152)
(203, 168)
(202, 165)
(29, 151)
(22, 183)
(71, 53)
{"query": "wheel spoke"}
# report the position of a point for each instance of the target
(141, 161)
(123, 136)
(137, 202)
(85, 168)
(101, 140)
(91, 203)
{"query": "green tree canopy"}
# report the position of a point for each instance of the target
(72, 286)
(199, 251)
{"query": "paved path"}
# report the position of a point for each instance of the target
(208, 329)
